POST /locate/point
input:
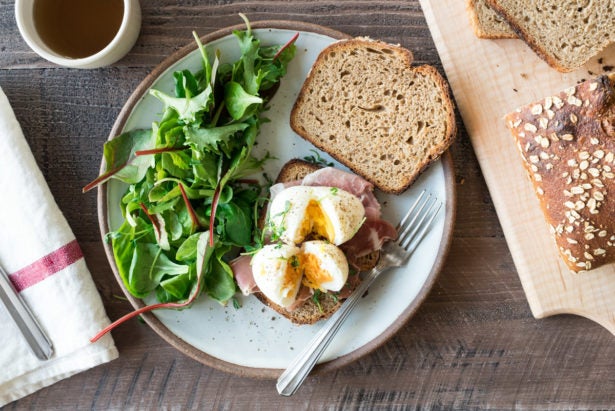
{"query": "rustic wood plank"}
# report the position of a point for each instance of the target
(472, 344)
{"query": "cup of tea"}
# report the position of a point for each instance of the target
(79, 33)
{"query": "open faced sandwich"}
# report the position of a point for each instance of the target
(323, 226)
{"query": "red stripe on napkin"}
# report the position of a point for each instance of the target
(46, 266)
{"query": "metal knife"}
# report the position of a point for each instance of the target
(26, 322)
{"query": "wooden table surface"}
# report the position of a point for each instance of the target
(472, 344)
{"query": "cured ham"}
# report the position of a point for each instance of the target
(243, 274)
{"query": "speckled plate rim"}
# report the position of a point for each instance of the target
(193, 352)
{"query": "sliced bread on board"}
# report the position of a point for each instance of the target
(564, 33)
(567, 142)
(365, 105)
(486, 23)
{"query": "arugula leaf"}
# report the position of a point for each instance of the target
(186, 107)
(213, 139)
(238, 101)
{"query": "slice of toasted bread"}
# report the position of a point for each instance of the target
(486, 23)
(324, 304)
(564, 33)
(365, 105)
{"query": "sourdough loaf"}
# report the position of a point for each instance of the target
(322, 305)
(365, 105)
(486, 23)
(565, 33)
(567, 142)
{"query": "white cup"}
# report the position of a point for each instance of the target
(121, 44)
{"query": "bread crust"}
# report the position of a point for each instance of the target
(533, 43)
(527, 38)
(567, 143)
(388, 180)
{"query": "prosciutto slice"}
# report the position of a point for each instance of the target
(242, 270)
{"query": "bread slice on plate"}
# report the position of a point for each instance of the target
(323, 305)
(366, 106)
(567, 142)
(486, 23)
(564, 33)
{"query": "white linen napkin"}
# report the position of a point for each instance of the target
(39, 252)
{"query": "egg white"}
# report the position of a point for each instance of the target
(276, 273)
(324, 266)
(298, 211)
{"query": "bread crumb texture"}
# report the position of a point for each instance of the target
(486, 22)
(565, 33)
(567, 142)
(366, 106)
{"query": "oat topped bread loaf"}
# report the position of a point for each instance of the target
(486, 23)
(365, 105)
(565, 33)
(567, 142)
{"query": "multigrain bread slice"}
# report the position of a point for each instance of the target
(322, 305)
(486, 22)
(567, 142)
(564, 33)
(365, 105)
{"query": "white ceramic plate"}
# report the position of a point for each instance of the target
(254, 340)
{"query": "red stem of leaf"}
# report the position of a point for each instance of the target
(147, 309)
(102, 178)
(137, 313)
(157, 151)
(212, 217)
(191, 212)
(285, 46)
(151, 218)
(252, 181)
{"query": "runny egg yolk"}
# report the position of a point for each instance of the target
(313, 274)
(315, 221)
(293, 272)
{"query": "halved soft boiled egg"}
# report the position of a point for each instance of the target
(280, 269)
(332, 213)
(276, 272)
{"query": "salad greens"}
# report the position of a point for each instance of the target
(187, 177)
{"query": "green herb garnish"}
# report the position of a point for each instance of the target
(317, 159)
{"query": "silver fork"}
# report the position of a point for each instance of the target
(411, 230)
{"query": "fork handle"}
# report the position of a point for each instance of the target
(300, 367)
(24, 319)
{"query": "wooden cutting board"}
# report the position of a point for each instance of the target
(490, 78)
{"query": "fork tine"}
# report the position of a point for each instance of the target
(422, 226)
(409, 213)
(406, 227)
